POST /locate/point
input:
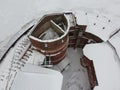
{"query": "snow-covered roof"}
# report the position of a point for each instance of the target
(106, 65)
(115, 42)
(97, 24)
(81, 17)
(100, 26)
(37, 78)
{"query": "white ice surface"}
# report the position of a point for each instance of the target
(106, 66)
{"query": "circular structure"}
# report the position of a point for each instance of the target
(50, 36)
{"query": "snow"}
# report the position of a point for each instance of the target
(37, 78)
(11, 63)
(5, 69)
(14, 14)
(49, 35)
(106, 66)
(36, 58)
(100, 26)
(81, 18)
(115, 42)
(74, 75)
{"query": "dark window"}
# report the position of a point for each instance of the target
(71, 34)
